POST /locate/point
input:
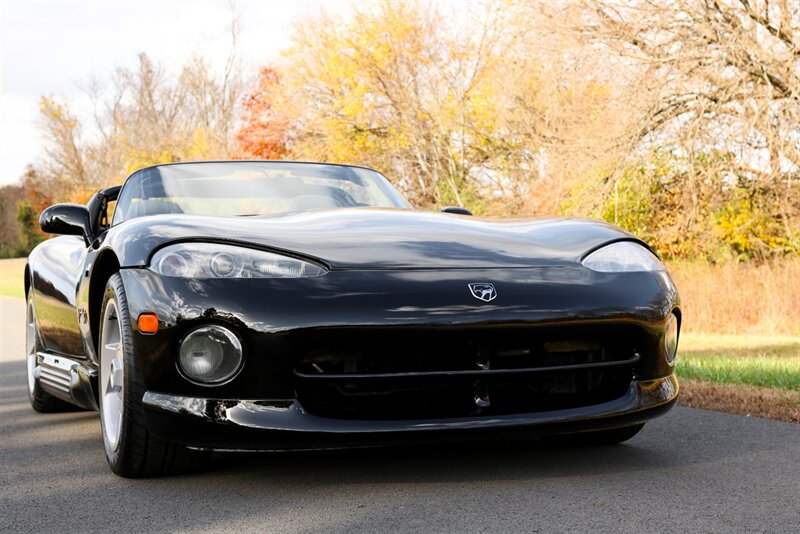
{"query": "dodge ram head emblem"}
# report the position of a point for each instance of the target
(484, 292)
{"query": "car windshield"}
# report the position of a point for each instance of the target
(251, 188)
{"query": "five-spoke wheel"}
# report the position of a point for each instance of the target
(112, 375)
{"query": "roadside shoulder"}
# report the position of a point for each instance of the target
(770, 403)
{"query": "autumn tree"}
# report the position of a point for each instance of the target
(492, 107)
(144, 116)
(149, 117)
(395, 87)
(63, 172)
(569, 110)
(264, 127)
(721, 83)
(677, 119)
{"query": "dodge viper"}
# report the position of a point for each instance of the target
(271, 305)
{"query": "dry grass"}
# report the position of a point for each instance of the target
(735, 345)
(740, 298)
(743, 400)
(12, 283)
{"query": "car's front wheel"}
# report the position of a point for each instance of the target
(595, 437)
(131, 450)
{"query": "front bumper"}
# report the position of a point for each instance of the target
(428, 315)
(222, 424)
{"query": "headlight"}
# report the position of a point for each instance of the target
(212, 260)
(671, 339)
(623, 256)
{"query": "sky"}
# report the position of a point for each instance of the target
(55, 48)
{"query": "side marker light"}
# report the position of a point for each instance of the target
(148, 323)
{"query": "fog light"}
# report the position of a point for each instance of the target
(210, 354)
(671, 339)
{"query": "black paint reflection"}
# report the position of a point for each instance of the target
(361, 238)
(55, 280)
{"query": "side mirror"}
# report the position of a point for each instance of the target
(455, 210)
(67, 219)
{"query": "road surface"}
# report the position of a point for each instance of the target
(692, 470)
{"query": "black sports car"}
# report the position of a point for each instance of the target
(266, 305)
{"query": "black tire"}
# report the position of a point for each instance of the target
(594, 437)
(41, 401)
(136, 453)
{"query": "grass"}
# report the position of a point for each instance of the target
(756, 360)
(754, 371)
(12, 282)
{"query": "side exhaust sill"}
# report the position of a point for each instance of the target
(67, 379)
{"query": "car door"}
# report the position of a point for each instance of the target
(56, 266)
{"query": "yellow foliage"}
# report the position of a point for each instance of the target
(748, 231)
(391, 88)
(80, 195)
(198, 147)
(136, 159)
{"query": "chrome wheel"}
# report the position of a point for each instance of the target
(30, 346)
(112, 375)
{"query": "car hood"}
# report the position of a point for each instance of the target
(367, 238)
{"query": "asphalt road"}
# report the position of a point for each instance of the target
(691, 470)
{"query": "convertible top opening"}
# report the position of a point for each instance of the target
(250, 188)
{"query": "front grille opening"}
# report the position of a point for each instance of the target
(457, 398)
(404, 359)
(422, 375)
